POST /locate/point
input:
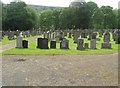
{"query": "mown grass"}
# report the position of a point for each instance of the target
(6, 41)
(72, 51)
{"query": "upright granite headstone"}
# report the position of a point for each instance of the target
(76, 36)
(11, 35)
(42, 43)
(118, 37)
(94, 34)
(53, 44)
(64, 44)
(25, 44)
(80, 44)
(107, 37)
(106, 45)
(69, 36)
(93, 44)
(19, 42)
(86, 46)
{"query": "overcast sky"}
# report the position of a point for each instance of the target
(65, 3)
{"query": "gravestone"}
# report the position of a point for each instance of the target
(118, 37)
(45, 43)
(25, 44)
(80, 43)
(83, 35)
(89, 36)
(93, 44)
(100, 34)
(53, 36)
(106, 45)
(19, 42)
(69, 36)
(76, 36)
(86, 46)
(27, 33)
(33, 32)
(61, 36)
(39, 43)
(53, 44)
(48, 35)
(11, 35)
(94, 34)
(23, 33)
(17, 32)
(42, 43)
(64, 44)
(107, 37)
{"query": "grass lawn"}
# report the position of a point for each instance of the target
(33, 50)
(6, 41)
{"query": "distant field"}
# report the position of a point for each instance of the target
(33, 50)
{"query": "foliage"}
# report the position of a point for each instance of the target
(19, 17)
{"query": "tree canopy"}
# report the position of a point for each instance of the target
(19, 16)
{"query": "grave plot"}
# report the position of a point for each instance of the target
(59, 43)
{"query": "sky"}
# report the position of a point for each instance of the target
(65, 3)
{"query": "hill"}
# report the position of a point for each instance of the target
(41, 8)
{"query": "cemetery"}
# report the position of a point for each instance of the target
(59, 43)
(77, 45)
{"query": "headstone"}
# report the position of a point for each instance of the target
(100, 34)
(80, 43)
(11, 35)
(118, 37)
(86, 46)
(39, 43)
(94, 35)
(106, 45)
(42, 43)
(45, 43)
(53, 44)
(93, 44)
(25, 44)
(61, 36)
(48, 35)
(17, 32)
(27, 33)
(19, 42)
(83, 35)
(64, 44)
(69, 36)
(107, 37)
(76, 36)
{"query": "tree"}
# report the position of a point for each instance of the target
(118, 17)
(98, 19)
(109, 17)
(19, 16)
(46, 19)
(104, 18)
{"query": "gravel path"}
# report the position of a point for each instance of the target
(60, 70)
(12, 45)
